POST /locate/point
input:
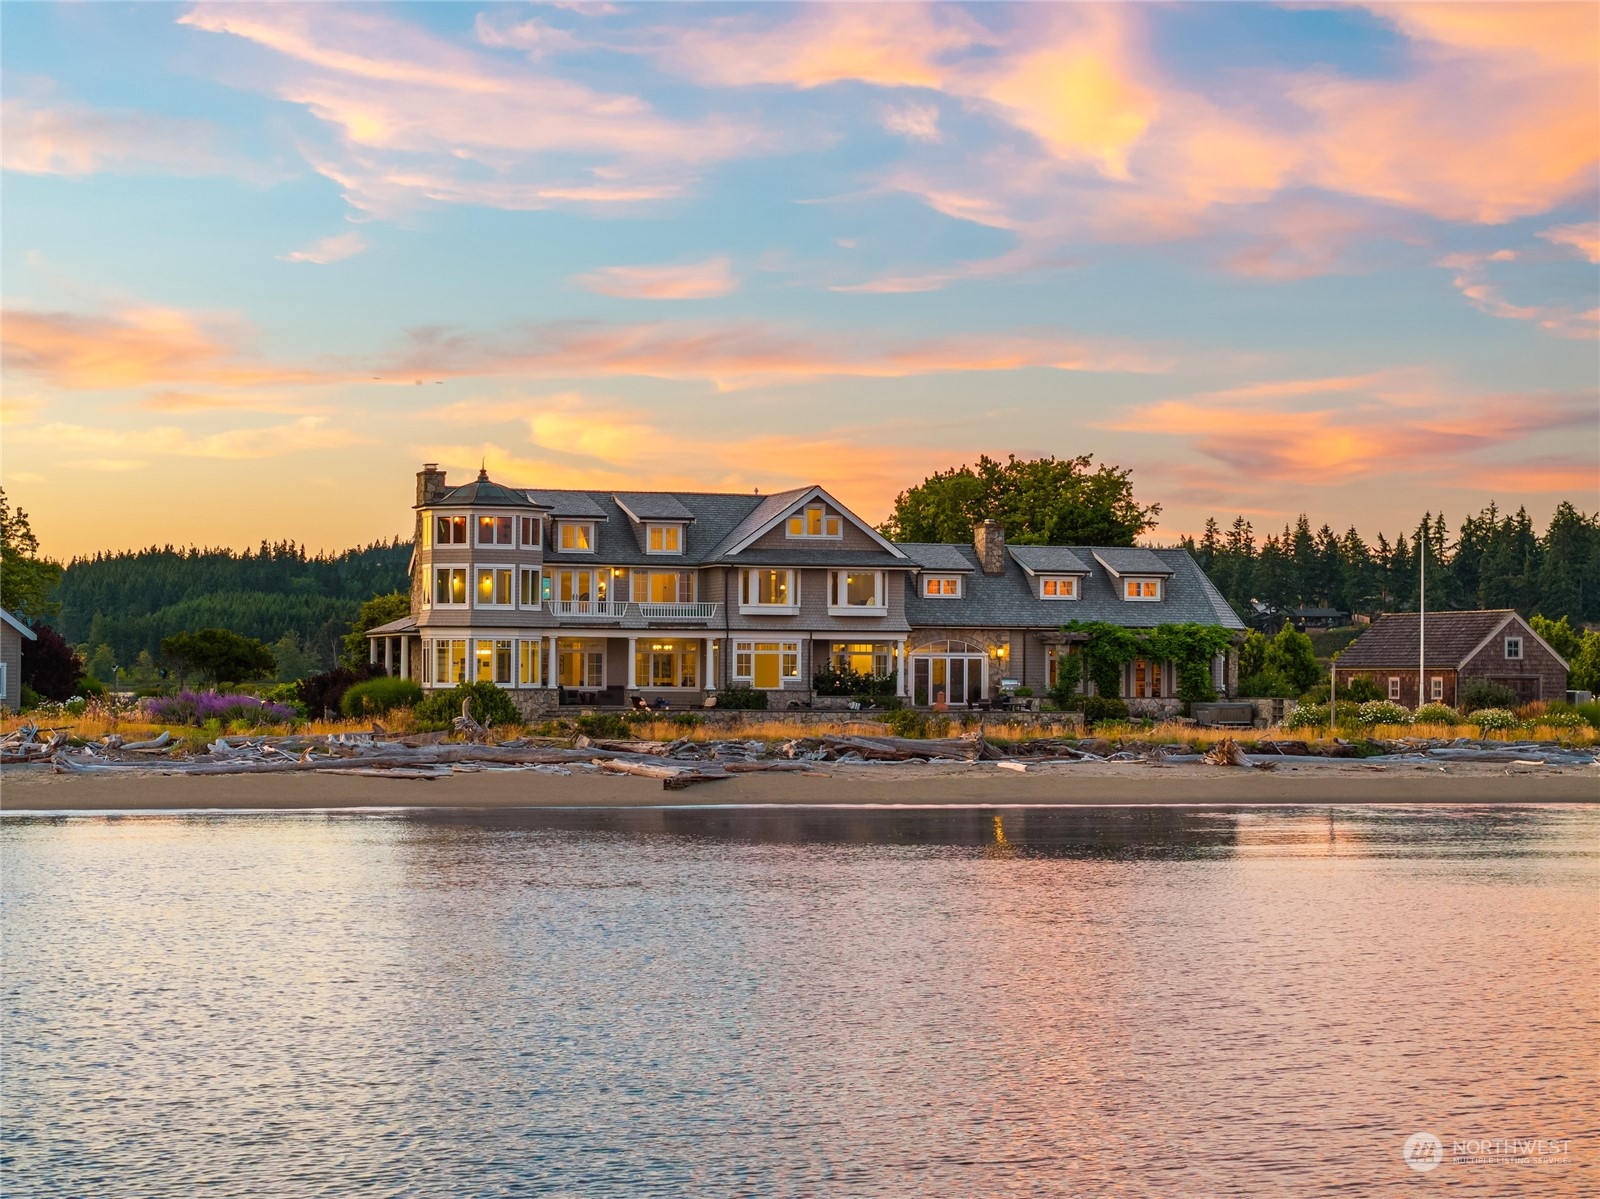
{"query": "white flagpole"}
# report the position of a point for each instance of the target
(1422, 611)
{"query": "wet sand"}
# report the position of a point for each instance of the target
(1084, 783)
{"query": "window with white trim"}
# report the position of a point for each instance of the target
(941, 586)
(663, 539)
(5, 682)
(530, 662)
(581, 662)
(767, 588)
(863, 657)
(1394, 686)
(816, 521)
(450, 586)
(530, 591)
(495, 530)
(667, 664)
(492, 662)
(450, 530)
(1141, 589)
(856, 591)
(1436, 688)
(449, 662)
(663, 586)
(493, 587)
(576, 537)
(1514, 649)
(766, 664)
(427, 530)
(532, 532)
(1058, 587)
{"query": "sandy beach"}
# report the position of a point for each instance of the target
(37, 789)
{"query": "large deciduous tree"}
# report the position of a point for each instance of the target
(49, 665)
(378, 610)
(26, 580)
(219, 655)
(1039, 501)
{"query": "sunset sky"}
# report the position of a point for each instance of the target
(260, 262)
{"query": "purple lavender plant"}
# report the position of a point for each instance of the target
(197, 707)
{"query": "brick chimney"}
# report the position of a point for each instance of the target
(430, 483)
(989, 539)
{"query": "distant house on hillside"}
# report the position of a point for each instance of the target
(1497, 645)
(12, 634)
(1317, 618)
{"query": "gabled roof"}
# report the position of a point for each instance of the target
(1048, 560)
(936, 556)
(482, 493)
(580, 504)
(652, 505)
(777, 507)
(1131, 560)
(1452, 638)
(18, 625)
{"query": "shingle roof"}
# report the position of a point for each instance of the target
(763, 511)
(1131, 560)
(1008, 600)
(481, 492)
(582, 504)
(936, 556)
(715, 515)
(1048, 559)
(405, 624)
(652, 505)
(1451, 637)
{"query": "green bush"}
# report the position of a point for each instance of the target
(1481, 693)
(1569, 719)
(377, 696)
(1270, 684)
(30, 698)
(1290, 655)
(1023, 693)
(1436, 714)
(907, 722)
(1492, 719)
(1589, 711)
(740, 698)
(1382, 711)
(604, 724)
(1310, 716)
(1097, 709)
(490, 706)
(1362, 689)
(831, 680)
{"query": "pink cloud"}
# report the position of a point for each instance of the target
(1582, 238)
(686, 281)
(39, 136)
(329, 249)
(1472, 281)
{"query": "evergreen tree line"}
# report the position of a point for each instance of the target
(1495, 560)
(121, 605)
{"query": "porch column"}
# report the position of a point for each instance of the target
(633, 663)
(405, 656)
(372, 650)
(900, 668)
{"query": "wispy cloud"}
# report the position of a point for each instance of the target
(684, 281)
(329, 249)
(915, 122)
(1472, 280)
(1583, 238)
(40, 135)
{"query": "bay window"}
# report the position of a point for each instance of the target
(449, 662)
(856, 591)
(766, 664)
(450, 530)
(771, 589)
(493, 662)
(494, 587)
(532, 532)
(530, 592)
(450, 586)
(494, 530)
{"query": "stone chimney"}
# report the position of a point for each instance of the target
(430, 483)
(989, 539)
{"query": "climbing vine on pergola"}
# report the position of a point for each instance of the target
(1190, 647)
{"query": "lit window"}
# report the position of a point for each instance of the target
(530, 592)
(577, 537)
(494, 530)
(665, 539)
(1061, 588)
(492, 662)
(450, 585)
(816, 521)
(427, 531)
(766, 664)
(1141, 589)
(855, 589)
(532, 532)
(450, 530)
(450, 663)
(942, 586)
(529, 653)
(580, 663)
(494, 587)
(663, 586)
(667, 664)
(1514, 648)
(766, 588)
(1394, 687)
(868, 657)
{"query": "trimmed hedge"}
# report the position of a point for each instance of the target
(377, 696)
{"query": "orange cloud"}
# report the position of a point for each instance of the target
(688, 281)
(329, 249)
(1472, 281)
(41, 137)
(743, 354)
(1583, 238)
(276, 441)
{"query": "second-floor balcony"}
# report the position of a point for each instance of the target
(621, 609)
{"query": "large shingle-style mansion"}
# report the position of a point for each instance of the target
(598, 597)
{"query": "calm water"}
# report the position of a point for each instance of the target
(797, 1002)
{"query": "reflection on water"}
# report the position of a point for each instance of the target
(725, 1001)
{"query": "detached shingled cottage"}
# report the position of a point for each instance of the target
(1497, 645)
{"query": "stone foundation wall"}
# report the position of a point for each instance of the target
(537, 703)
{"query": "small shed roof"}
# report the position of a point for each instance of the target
(1131, 560)
(652, 505)
(1052, 559)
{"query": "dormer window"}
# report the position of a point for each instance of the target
(494, 530)
(1141, 589)
(816, 521)
(941, 586)
(577, 537)
(1058, 587)
(450, 530)
(664, 539)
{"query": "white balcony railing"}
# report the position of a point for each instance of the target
(590, 609)
(678, 611)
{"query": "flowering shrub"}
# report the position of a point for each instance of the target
(1436, 714)
(198, 707)
(1488, 719)
(1310, 716)
(1562, 720)
(1382, 711)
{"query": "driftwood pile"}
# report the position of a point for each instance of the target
(24, 744)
